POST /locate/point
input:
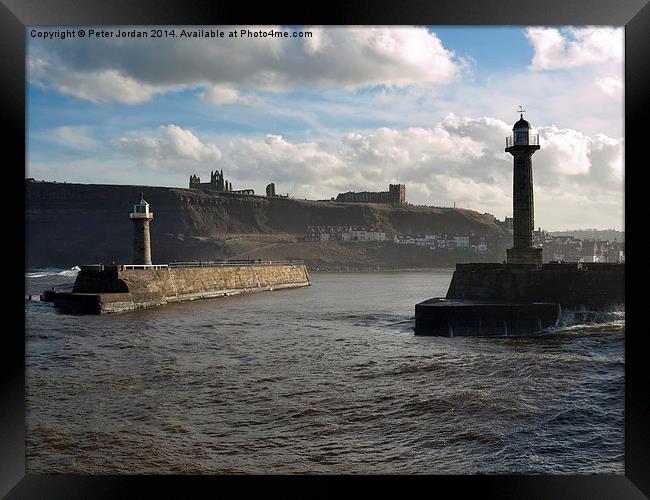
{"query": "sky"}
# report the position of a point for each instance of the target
(345, 109)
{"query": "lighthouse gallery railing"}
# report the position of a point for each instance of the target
(526, 140)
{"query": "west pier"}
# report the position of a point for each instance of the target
(521, 296)
(101, 289)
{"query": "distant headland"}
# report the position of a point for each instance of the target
(70, 223)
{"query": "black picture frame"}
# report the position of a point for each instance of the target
(15, 15)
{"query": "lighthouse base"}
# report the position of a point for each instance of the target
(524, 256)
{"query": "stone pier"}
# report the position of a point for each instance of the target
(101, 289)
(521, 296)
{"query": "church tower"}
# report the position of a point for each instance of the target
(522, 145)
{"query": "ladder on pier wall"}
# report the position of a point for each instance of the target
(171, 278)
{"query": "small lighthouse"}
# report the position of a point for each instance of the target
(522, 145)
(141, 217)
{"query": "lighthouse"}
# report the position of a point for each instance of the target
(141, 217)
(522, 144)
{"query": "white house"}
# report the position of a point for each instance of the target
(358, 233)
(404, 239)
(461, 241)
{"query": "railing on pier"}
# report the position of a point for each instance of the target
(145, 266)
(522, 140)
(211, 263)
(236, 263)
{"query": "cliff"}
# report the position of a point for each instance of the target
(73, 224)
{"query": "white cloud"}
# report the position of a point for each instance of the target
(607, 156)
(412, 145)
(461, 159)
(571, 156)
(273, 158)
(573, 47)
(318, 42)
(174, 149)
(224, 94)
(610, 85)
(578, 177)
(134, 70)
(98, 86)
(567, 152)
(73, 137)
(355, 57)
(569, 99)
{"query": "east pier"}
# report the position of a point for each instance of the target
(521, 296)
(520, 299)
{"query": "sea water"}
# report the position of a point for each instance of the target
(323, 379)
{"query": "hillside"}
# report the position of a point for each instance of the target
(71, 224)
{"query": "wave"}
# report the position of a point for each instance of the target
(585, 320)
(585, 316)
(53, 271)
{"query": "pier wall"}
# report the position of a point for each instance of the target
(100, 289)
(573, 285)
(449, 318)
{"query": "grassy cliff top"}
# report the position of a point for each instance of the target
(203, 213)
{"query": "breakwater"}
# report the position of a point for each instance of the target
(448, 318)
(575, 286)
(101, 289)
(520, 299)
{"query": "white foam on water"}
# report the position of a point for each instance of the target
(53, 271)
(582, 319)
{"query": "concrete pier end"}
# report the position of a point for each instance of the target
(519, 299)
(452, 318)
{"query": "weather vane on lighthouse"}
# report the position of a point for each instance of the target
(521, 111)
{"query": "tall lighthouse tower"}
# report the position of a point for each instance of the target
(522, 145)
(141, 217)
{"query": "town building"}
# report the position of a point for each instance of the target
(572, 249)
(407, 239)
(506, 224)
(396, 195)
(344, 233)
(462, 241)
(444, 241)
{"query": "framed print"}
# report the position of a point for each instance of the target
(330, 242)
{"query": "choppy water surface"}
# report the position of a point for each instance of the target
(324, 379)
